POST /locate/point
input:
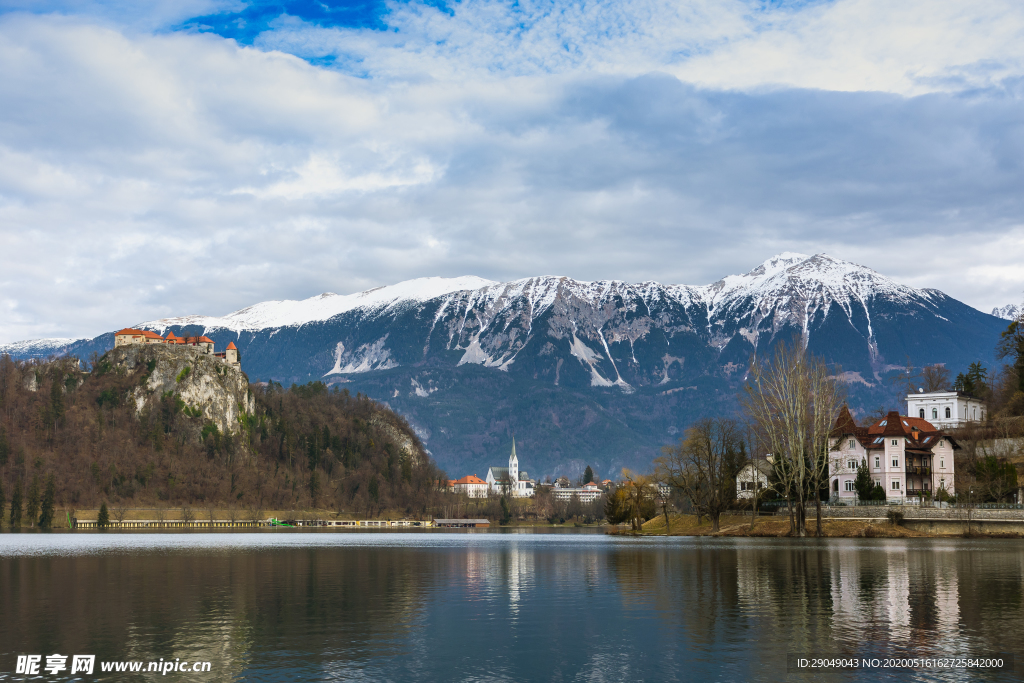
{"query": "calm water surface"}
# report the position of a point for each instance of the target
(505, 607)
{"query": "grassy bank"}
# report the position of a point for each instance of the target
(774, 527)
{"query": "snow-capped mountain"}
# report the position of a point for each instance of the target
(601, 372)
(1007, 312)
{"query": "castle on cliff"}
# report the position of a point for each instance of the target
(132, 336)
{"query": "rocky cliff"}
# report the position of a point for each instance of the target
(208, 387)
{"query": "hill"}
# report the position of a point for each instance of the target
(165, 426)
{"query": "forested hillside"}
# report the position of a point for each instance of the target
(306, 446)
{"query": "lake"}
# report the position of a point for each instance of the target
(491, 606)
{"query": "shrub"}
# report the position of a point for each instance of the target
(895, 517)
(183, 374)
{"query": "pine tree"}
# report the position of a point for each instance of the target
(32, 503)
(863, 484)
(16, 507)
(103, 520)
(46, 515)
(588, 475)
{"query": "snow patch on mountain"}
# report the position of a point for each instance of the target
(1007, 312)
(270, 314)
(38, 348)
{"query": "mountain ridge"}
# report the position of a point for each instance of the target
(592, 372)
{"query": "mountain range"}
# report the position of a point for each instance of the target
(600, 373)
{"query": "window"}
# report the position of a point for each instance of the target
(942, 464)
(853, 444)
(927, 486)
(895, 484)
(947, 412)
(942, 442)
(895, 462)
(849, 486)
(895, 442)
(935, 413)
(924, 461)
(877, 463)
(921, 413)
(851, 464)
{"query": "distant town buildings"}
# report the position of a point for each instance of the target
(907, 456)
(129, 336)
(587, 493)
(946, 409)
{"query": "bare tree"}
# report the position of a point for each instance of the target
(160, 514)
(704, 465)
(120, 512)
(188, 515)
(639, 498)
(794, 401)
(935, 378)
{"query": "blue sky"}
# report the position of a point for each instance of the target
(199, 156)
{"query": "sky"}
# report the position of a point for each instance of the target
(199, 156)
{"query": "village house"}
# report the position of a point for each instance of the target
(518, 483)
(471, 485)
(907, 456)
(132, 336)
(753, 478)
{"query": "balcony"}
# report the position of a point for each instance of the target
(918, 492)
(912, 469)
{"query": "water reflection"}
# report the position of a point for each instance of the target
(509, 607)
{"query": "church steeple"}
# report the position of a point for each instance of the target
(513, 463)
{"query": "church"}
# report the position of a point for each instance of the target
(500, 477)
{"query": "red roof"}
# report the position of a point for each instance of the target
(170, 335)
(471, 479)
(128, 331)
(895, 424)
(149, 334)
(231, 346)
(206, 339)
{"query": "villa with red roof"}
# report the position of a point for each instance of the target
(472, 485)
(204, 344)
(907, 456)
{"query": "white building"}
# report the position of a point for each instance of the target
(471, 485)
(588, 493)
(753, 477)
(519, 482)
(946, 409)
(906, 456)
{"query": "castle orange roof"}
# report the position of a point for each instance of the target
(471, 479)
(231, 345)
(129, 331)
(206, 339)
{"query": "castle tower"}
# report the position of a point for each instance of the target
(231, 355)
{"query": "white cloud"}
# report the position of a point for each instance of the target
(145, 175)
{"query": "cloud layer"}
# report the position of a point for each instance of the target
(166, 164)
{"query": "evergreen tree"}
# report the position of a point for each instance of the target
(588, 475)
(103, 520)
(1011, 346)
(15, 517)
(46, 515)
(863, 484)
(878, 493)
(32, 503)
(3, 501)
(977, 376)
(5, 448)
(57, 399)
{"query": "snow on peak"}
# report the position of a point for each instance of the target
(1008, 312)
(38, 348)
(327, 305)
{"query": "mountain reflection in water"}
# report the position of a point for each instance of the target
(490, 606)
